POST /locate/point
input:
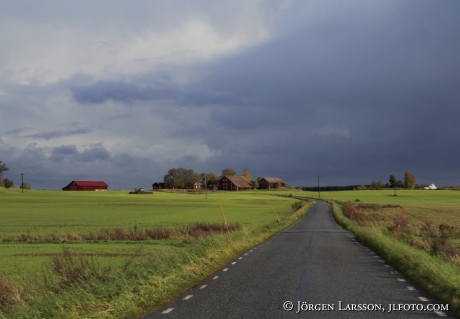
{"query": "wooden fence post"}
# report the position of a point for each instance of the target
(226, 226)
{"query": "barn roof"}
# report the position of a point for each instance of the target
(239, 181)
(273, 179)
(90, 183)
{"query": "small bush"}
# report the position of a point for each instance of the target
(10, 293)
(74, 268)
(297, 205)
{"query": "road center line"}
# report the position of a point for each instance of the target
(204, 286)
(215, 277)
(225, 269)
(188, 297)
(168, 310)
(422, 298)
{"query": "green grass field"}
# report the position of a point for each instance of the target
(46, 264)
(53, 213)
(408, 197)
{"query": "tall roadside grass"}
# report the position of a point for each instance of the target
(76, 286)
(431, 272)
(197, 229)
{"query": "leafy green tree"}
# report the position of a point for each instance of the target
(181, 178)
(228, 172)
(26, 186)
(3, 168)
(210, 178)
(255, 184)
(7, 183)
(377, 185)
(410, 180)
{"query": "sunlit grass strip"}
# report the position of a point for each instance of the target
(436, 276)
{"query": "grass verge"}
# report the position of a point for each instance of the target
(435, 275)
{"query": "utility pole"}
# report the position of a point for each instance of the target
(319, 192)
(205, 186)
(22, 183)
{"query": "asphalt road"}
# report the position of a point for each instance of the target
(314, 264)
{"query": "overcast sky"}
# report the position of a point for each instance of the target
(122, 91)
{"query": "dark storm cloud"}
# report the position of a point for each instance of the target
(352, 91)
(58, 133)
(71, 153)
(393, 83)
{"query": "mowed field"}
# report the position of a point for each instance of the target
(37, 224)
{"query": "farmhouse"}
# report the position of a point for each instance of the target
(159, 185)
(271, 182)
(233, 183)
(432, 186)
(86, 186)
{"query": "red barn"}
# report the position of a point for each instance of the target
(159, 185)
(86, 186)
(233, 183)
(271, 182)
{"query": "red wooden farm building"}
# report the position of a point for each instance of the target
(86, 186)
(233, 183)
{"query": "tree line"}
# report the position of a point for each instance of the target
(187, 178)
(7, 183)
(410, 182)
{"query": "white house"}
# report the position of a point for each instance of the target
(432, 186)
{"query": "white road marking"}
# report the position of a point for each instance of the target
(410, 288)
(440, 313)
(215, 277)
(387, 265)
(422, 298)
(188, 297)
(204, 286)
(168, 310)
(225, 269)
(251, 251)
(233, 262)
(400, 279)
(240, 258)
(246, 254)
(382, 261)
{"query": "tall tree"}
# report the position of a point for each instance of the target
(181, 178)
(3, 168)
(247, 174)
(228, 171)
(392, 181)
(410, 180)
